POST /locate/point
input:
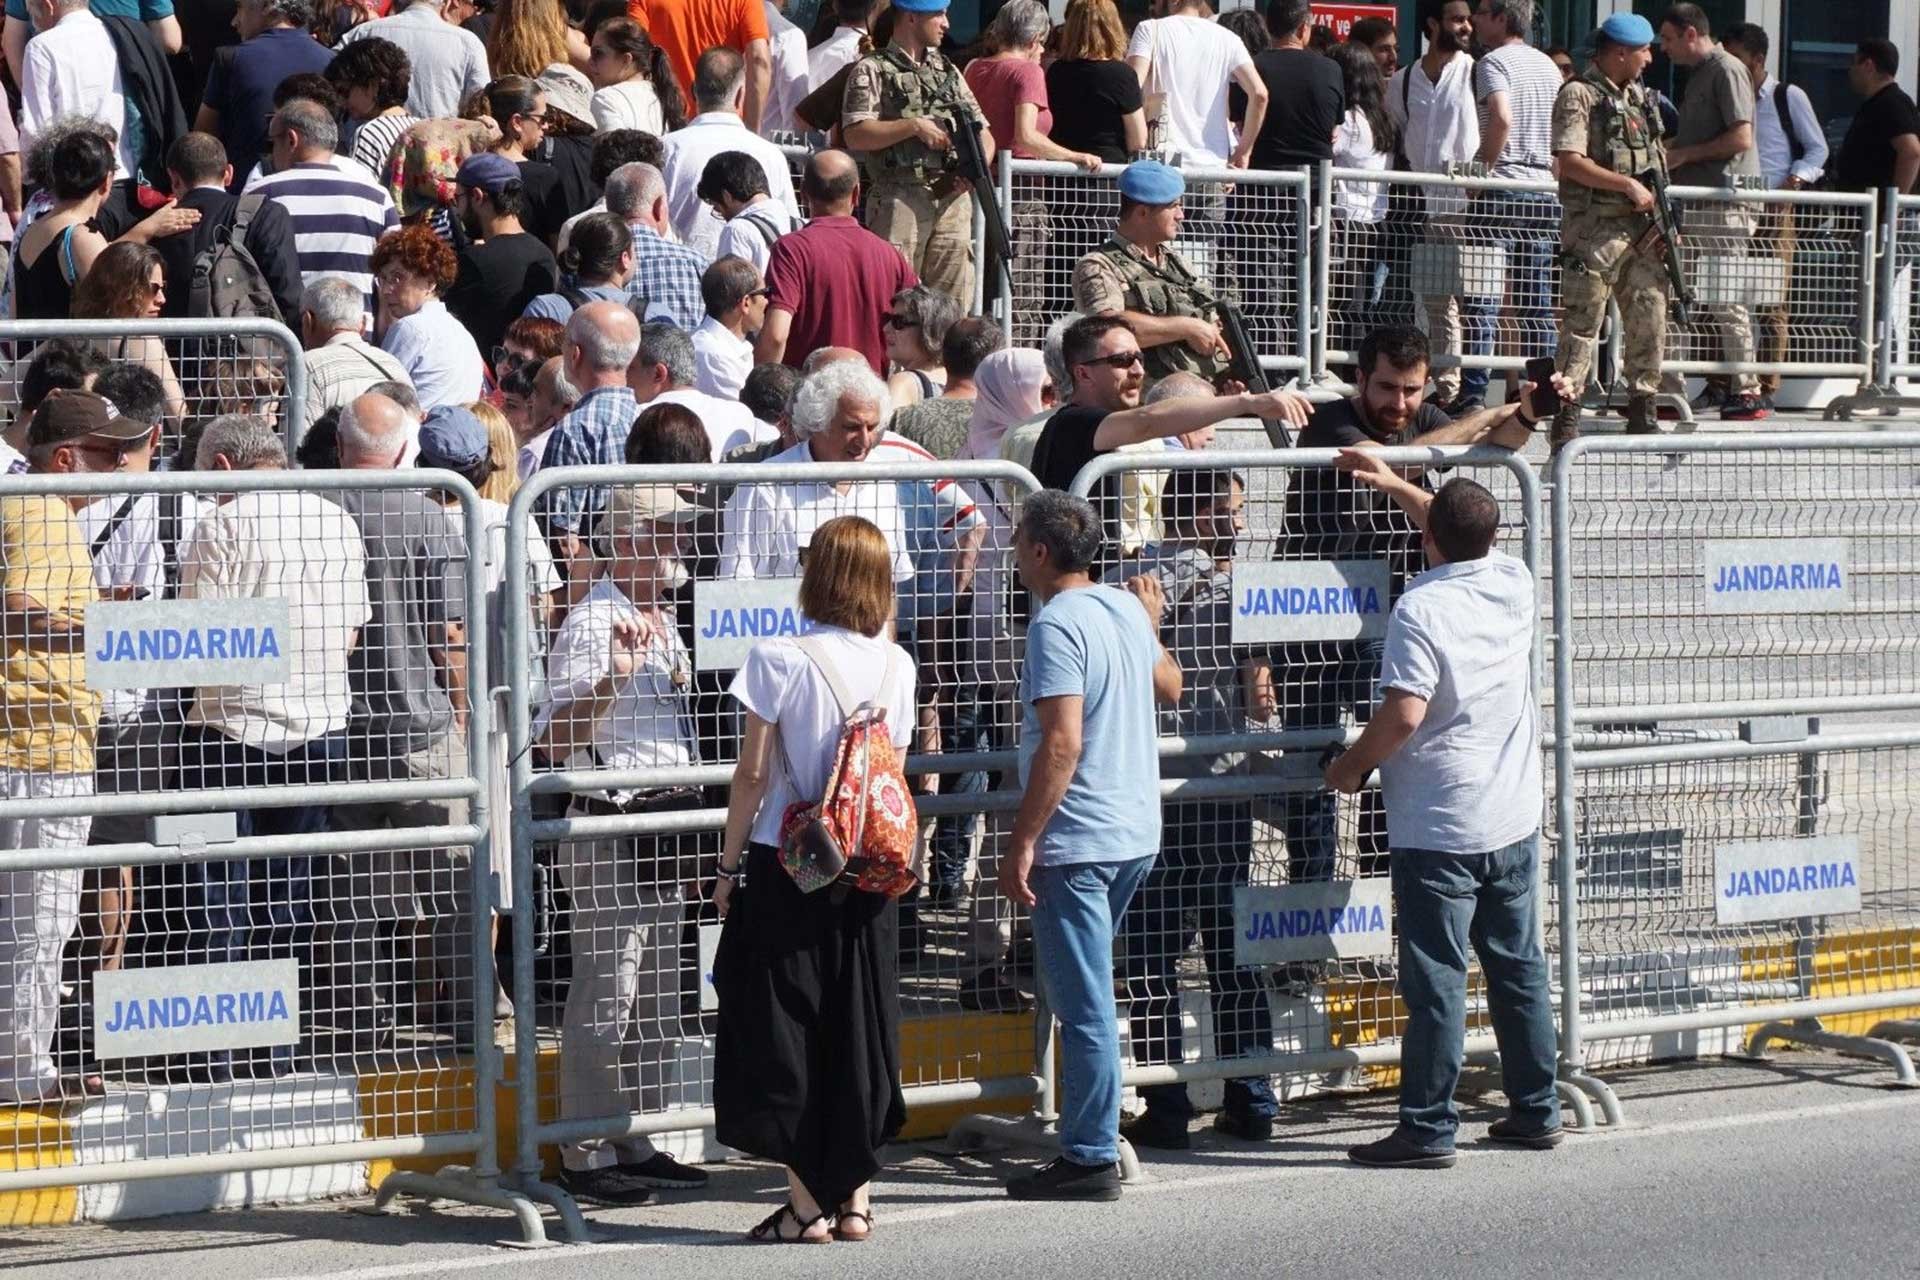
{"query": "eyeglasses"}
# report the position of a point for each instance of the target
(115, 452)
(761, 292)
(1119, 360)
(506, 360)
(893, 321)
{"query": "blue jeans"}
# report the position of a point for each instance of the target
(1317, 683)
(1074, 919)
(1207, 850)
(963, 730)
(1443, 902)
(1526, 225)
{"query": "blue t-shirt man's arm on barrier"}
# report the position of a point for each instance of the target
(1094, 643)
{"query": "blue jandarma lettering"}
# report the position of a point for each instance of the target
(1816, 576)
(1318, 923)
(758, 624)
(1295, 601)
(1803, 879)
(168, 1013)
(182, 644)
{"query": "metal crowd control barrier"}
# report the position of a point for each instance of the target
(1246, 233)
(638, 1060)
(1735, 677)
(1269, 916)
(1896, 250)
(295, 901)
(1784, 281)
(209, 367)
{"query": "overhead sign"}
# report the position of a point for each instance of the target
(1786, 879)
(1778, 575)
(157, 644)
(1288, 601)
(1326, 920)
(734, 614)
(195, 1008)
(1341, 17)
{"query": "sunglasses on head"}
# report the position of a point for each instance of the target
(1119, 360)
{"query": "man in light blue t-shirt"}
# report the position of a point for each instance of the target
(1457, 741)
(1089, 822)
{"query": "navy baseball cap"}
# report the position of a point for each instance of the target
(452, 438)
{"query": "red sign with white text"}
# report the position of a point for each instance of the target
(1341, 17)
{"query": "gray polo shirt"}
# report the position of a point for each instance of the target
(1461, 637)
(1719, 96)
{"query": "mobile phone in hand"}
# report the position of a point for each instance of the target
(1546, 400)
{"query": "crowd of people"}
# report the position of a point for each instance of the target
(527, 237)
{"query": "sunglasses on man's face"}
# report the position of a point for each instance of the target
(1119, 360)
(899, 322)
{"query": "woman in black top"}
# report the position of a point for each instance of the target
(1095, 96)
(520, 109)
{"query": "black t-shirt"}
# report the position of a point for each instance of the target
(1866, 157)
(544, 210)
(1088, 97)
(1066, 445)
(498, 278)
(1331, 516)
(1306, 101)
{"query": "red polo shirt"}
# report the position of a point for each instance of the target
(837, 279)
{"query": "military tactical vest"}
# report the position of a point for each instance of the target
(1623, 135)
(908, 90)
(1169, 288)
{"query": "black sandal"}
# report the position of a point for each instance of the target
(768, 1231)
(841, 1216)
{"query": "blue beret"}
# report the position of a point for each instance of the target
(1629, 29)
(1150, 182)
(921, 6)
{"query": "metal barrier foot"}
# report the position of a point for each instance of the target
(572, 1222)
(1895, 1029)
(457, 1182)
(1572, 1100)
(1811, 1033)
(1870, 398)
(970, 1133)
(1611, 1113)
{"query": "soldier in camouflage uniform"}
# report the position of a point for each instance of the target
(897, 101)
(1136, 276)
(1605, 131)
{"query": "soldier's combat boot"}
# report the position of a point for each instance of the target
(1565, 427)
(1641, 420)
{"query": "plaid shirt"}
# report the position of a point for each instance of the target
(667, 276)
(594, 434)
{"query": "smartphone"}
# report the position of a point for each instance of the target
(1546, 400)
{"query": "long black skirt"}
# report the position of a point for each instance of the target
(807, 1060)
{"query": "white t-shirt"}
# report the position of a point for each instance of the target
(1461, 637)
(745, 234)
(1353, 148)
(631, 104)
(132, 558)
(780, 684)
(729, 424)
(305, 550)
(838, 50)
(768, 525)
(789, 47)
(650, 725)
(1193, 61)
(687, 152)
(721, 363)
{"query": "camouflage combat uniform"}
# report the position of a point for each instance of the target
(914, 199)
(1120, 276)
(1603, 253)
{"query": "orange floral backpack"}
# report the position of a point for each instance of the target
(861, 833)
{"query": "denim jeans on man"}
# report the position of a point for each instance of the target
(1525, 226)
(1208, 851)
(1319, 683)
(1442, 903)
(1078, 906)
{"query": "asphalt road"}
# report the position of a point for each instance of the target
(1801, 1168)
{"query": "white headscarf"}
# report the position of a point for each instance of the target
(1007, 388)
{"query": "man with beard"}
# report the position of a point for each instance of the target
(503, 267)
(1330, 516)
(736, 302)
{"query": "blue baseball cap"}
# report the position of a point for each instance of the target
(1629, 29)
(1150, 182)
(452, 438)
(487, 170)
(921, 6)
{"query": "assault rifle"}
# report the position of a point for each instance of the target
(963, 129)
(1664, 222)
(1245, 366)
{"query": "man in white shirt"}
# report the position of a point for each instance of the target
(734, 186)
(789, 44)
(342, 366)
(842, 48)
(1457, 741)
(448, 61)
(1432, 102)
(1188, 60)
(664, 372)
(719, 92)
(839, 415)
(72, 69)
(1793, 156)
(736, 299)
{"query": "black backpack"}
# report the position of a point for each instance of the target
(227, 280)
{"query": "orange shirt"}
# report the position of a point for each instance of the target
(685, 29)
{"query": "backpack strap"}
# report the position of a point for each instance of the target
(1796, 149)
(118, 518)
(816, 653)
(763, 226)
(242, 216)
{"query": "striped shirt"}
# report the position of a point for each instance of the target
(1531, 82)
(337, 218)
(373, 142)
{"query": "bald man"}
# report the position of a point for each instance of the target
(830, 283)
